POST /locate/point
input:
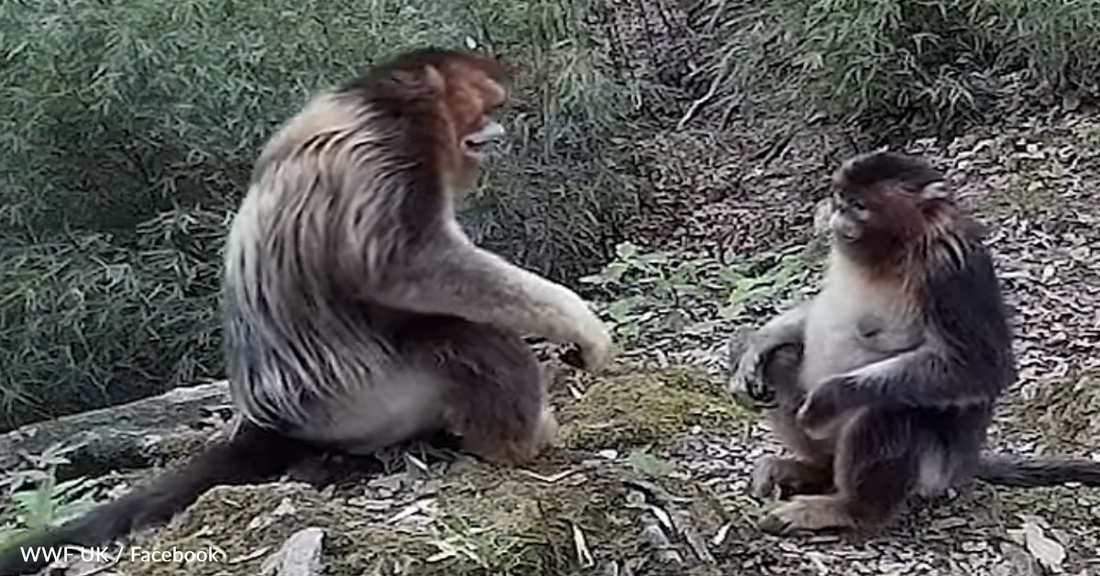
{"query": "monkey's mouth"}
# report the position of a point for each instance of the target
(843, 228)
(482, 144)
(479, 150)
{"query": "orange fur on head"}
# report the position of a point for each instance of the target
(898, 204)
(449, 96)
(471, 96)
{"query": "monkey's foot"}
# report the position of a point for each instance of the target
(780, 478)
(807, 514)
(518, 450)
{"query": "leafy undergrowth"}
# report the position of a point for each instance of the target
(934, 61)
(129, 130)
(675, 304)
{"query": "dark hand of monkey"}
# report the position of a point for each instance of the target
(572, 356)
(760, 390)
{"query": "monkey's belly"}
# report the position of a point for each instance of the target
(377, 415)
(829, 356)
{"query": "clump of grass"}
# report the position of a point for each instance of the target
(937, 61)
(39, 500)
(129, 131)
(650, 297)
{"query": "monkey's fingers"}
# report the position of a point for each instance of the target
(750, 385)
(762, 394)
(573, 357)
(744, 395)
(764, 484)
(775, 524)
(819, 411)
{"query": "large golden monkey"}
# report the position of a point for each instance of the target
(358, 313)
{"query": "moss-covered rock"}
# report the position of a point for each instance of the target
(480, 519)
(469, 517)
(642, 407)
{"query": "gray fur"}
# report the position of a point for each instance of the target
(358, 314)
(322, 263)
(291, 337)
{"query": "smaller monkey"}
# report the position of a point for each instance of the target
(885, 383)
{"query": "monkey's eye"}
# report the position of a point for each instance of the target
(848, 203)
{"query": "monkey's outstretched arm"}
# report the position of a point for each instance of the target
(463, 280)
(924, 377)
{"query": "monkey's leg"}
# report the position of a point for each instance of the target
(786, 477)
(876, 469)
(811, 471)
(497, 393)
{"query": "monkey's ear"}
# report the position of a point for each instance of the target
(426, 82)
(936, 191)
(434, 79)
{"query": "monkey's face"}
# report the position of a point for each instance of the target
(475, 109)
(850, 217)
(877, 220)
(472, 107)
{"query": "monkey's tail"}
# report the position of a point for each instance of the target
(250, 455)
(1031, 471)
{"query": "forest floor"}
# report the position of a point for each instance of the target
(751, 189)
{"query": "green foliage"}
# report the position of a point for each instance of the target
(938, 60)
(651, 295)
(129, 130)
(486, 548)
(86, 322)
(48, 502)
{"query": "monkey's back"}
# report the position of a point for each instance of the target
(300, 255)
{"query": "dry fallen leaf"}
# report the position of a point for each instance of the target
(1046, 550)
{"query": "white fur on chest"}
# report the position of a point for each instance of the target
(832, 339)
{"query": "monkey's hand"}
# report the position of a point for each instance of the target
(748, 382)
(828, 401)
(593, 345)
(752, 381)
(596, 347)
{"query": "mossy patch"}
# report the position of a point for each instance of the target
(641, 407)
(476, 518)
